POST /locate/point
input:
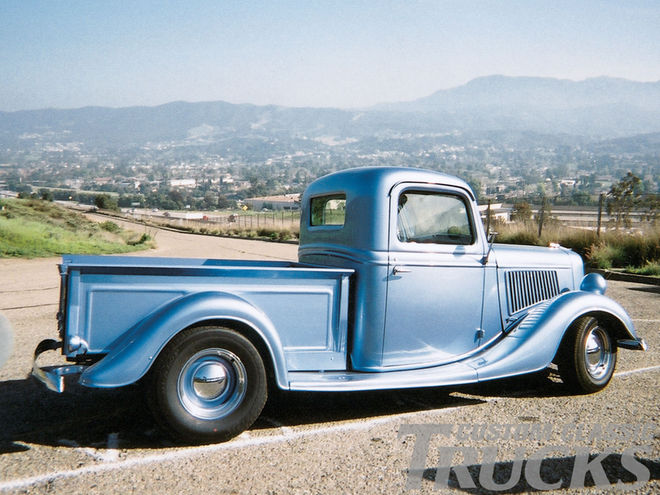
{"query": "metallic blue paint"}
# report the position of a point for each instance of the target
(129, 308)
(132, 354)
(362, 310)
(530, 346)
(533, 343)
(594, 282)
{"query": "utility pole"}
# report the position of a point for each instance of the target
(541, 215)
(488, 218)
(601, 200)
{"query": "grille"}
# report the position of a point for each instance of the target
(525, 288)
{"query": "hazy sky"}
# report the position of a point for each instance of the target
(68, 54)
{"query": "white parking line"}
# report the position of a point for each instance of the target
(283, 429)
(640, 370)
(244, 440)
(109, 454)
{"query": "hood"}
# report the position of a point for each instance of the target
(515, 257)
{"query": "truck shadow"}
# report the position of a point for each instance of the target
(544, 383)
(83, 417)
(652, 289)
(305, 408)
(30, 414)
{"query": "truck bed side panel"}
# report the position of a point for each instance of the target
(307, 306)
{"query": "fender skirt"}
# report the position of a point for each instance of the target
(131, 355)
(532, 344)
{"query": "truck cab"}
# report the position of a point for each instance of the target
(427, 290)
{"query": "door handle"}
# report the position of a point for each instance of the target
(397, 269)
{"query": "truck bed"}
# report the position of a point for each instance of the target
(105, 297)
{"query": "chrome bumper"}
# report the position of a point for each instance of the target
(53, 376)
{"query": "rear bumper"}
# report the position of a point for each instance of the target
(53, 376)
(635, 345)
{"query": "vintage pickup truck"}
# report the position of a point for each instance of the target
(397, 286)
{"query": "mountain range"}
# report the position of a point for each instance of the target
(599, 108)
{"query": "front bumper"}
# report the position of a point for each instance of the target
(53, 376)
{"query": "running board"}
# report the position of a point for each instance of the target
(350, 381)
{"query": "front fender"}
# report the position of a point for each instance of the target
(132, 354)
(533, 344)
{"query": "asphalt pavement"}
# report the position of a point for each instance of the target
(509, 436)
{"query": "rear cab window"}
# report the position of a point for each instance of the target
(328, 210)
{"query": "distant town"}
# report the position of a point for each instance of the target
(534, 140)
(157, 177)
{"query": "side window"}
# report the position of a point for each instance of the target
(328, 210)
(435, 218)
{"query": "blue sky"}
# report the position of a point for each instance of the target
(69, 54)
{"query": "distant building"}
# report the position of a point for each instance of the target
(226, 179)
(497, 211)
(186, 183)
(129, 183)
(281, 202)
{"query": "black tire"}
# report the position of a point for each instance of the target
(587, 356)
(208, 385)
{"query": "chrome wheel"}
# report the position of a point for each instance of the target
(212, 384)
(208, 384)
(598, 353)
(587, 356)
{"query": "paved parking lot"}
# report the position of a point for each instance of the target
(104, 441)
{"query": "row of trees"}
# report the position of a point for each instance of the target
(167, 200)
(624, 197)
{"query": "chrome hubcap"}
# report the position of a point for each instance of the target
(210, 380)
(598, 353)
(212, 384)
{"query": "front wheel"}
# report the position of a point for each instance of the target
(209, 384)
(588, 356)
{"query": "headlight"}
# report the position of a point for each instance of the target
(594, 282)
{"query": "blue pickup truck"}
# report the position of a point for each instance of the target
(397, 286)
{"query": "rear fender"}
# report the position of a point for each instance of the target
(533, 344)
(131, 355)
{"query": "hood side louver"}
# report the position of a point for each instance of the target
(525, 288)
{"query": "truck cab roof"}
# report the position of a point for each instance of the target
(363, 195)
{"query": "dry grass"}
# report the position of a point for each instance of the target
(612, 249)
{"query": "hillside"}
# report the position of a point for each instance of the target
(596, 108)
(605, 107)
(36, 228)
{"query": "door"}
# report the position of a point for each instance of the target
(435, 283)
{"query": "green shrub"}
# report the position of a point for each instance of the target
(526, 237)
(110, 226)
(34, 228)
(650, 269)
(580, 241)
(143, 239)
(605, 256)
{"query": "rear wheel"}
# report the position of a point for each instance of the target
(209, 384)
(588, 356)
